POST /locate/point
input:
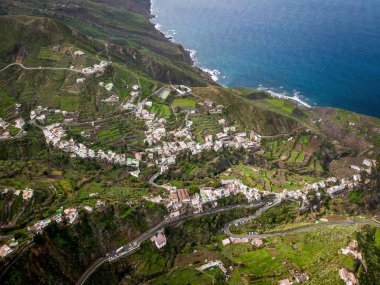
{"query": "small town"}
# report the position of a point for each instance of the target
(162, 149)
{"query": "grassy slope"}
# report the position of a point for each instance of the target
(132, 35)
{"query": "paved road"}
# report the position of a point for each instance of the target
(40, 68)
(307, 228)
(241, 221)
(153, 178)
(348, 222)
(135, 244)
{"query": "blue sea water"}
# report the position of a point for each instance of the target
(325, 51)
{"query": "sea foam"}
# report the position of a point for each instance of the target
(284, 95)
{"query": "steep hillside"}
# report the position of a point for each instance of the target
(102, 147)
(134, 38)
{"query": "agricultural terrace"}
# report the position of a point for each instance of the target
(301, 150)
(205, 124)
(270, 180)
(124, 133)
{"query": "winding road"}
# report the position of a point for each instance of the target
(263, 206)
(347, 222)
(135, 244)
(41, 68)
(237, 222)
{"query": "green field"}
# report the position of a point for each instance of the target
(184, 102)
(282, 105)
(161, 110)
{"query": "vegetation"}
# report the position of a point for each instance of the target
(184, 102)
(299, 146)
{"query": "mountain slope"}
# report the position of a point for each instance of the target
(48, 46)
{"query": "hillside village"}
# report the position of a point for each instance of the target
(162, 149)
(163, 146)
(176, 199)
(120, 156)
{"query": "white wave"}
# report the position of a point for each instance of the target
(284, 95)
(193, 53)
(213, 73)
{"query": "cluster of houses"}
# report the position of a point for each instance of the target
(5, 132)
(55, 134)
(164, 153)
(301, 194)
(41, 114)
(228, 188)
(367, 166)
(177, 199)
(212, 108)
(96, 68)
(344, 184)
(70, 214)
(332, 186)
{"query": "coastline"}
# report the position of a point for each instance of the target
(284, 95)
(214, 73)
(169, 34)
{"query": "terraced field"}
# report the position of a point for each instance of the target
(120, 133)
(300, 151)
(269, 180)
(205, 124)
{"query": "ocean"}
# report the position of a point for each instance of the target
(323, 52)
